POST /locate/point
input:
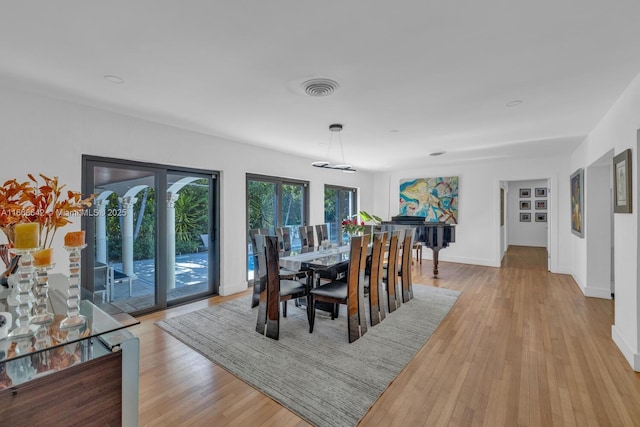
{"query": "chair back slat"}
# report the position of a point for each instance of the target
(306, 236)
(322, 232)
(376, 309)
(393, 300)
(405, 265)
(268, 322)
(356, 317)
(284, 238)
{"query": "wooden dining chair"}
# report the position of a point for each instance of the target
(284, 238)
(284, 246)
(322, 232)
(406, 259)
(307, 239)
(273, 290)
(391, 271)
(349, 292)
(252, 237)
(285, 274)
(376, 273)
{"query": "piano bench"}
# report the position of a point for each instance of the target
(418, 247)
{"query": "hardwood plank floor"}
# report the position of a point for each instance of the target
(521, 347)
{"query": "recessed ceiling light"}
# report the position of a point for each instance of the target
(437, 153)
(514, 103)
(114, 79)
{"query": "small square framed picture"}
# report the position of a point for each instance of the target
(541, 192)
(541, 217)
(525, 204)
(541, 204)
(525, 217)
(525, 192)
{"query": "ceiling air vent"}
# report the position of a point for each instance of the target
(319, 87)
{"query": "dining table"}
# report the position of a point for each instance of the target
(316, 259)
(330, 263)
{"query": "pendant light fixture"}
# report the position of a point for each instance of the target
(344, 167)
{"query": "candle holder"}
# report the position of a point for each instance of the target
(41, 313)
(73, 319)
(24, 297)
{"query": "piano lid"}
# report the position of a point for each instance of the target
(408, 218)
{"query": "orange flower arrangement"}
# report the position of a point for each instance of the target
(11, 205)
(44, 203)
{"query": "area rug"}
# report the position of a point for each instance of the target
(319, 376)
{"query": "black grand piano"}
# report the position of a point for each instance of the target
(434, 235)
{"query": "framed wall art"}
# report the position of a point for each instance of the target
(622, 182)
(541, 217)
(541, 204)
(541, 192)
(525, 217)
(525, 204)
(434, 198)
(525, 192)
(577, 202)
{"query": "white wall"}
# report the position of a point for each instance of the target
(618, 131)
(43, 135)
(478, 234)
(530, 233)
(39, 134)
(598, 187)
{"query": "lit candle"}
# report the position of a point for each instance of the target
(26, 235)
(74, 238)
(43, 257)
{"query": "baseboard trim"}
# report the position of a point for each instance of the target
(465, 260)
(230, 289)
(597, 292)
(632, 358)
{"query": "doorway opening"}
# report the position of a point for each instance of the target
(527, 210)
(153, 234)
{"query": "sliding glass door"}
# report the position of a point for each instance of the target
(339, 203)
(275, 202)
(188, 235)
(153, 234)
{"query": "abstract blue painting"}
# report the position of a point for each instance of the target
(434, 198)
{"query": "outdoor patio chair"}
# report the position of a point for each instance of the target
(101, 283)
(115, 277)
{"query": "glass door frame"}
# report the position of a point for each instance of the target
(160, 173)
(338, 222)
(279, 182)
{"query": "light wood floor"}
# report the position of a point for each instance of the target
(521, 347)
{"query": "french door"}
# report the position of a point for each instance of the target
(154, 242)
(340, 203)
(275, 202)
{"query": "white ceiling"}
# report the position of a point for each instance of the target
(415, 76)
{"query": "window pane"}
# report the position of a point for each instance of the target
(274, 202)
(188, 235)
(339, 204)
(293, 210)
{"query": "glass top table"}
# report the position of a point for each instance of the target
(315, 258)
(50, 336)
